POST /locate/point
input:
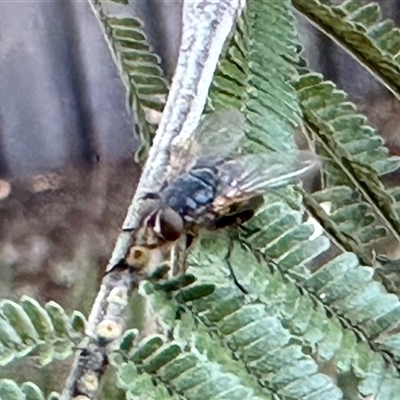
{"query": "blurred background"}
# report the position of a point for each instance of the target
(67, 173)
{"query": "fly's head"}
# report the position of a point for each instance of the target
(152, 241)
(161, 223)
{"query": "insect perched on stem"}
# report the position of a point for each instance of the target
(209, 187)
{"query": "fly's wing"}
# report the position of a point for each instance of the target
(251, 175)
(217, 136)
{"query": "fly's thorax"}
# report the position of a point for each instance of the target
(191, 194)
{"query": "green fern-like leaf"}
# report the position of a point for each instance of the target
(191, 366)
(357, 297)
(345, 131)
(230, 81)
(276, 333)
(277, 230)
(140, 72)
(310, 316)
(45, 332)
(272, 108)
(359, 159)
(10, 390)
(359, 28)
(139, 386)
(144, 79)
(266, 95)
(351, 223)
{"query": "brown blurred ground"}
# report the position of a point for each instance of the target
(57, 231)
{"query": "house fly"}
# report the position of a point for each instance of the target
(208, 186)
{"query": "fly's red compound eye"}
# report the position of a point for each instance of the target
(169, 224)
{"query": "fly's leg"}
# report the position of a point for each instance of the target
(177, 258)
(232, 272)
(239, 213)
(233, 219)
(179, 253)
(235, 280)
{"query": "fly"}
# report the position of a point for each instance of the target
(208, 186)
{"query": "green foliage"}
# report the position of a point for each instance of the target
(45, 333)
(277, 231)
(359, 28)
(342, 285)
(271, 105)
(230, 80)
(284, 326)
(10, 390)
(191, 366)
(265, 95)
(140, 71)
(282, 337)
(185, 369)
(363, 210)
